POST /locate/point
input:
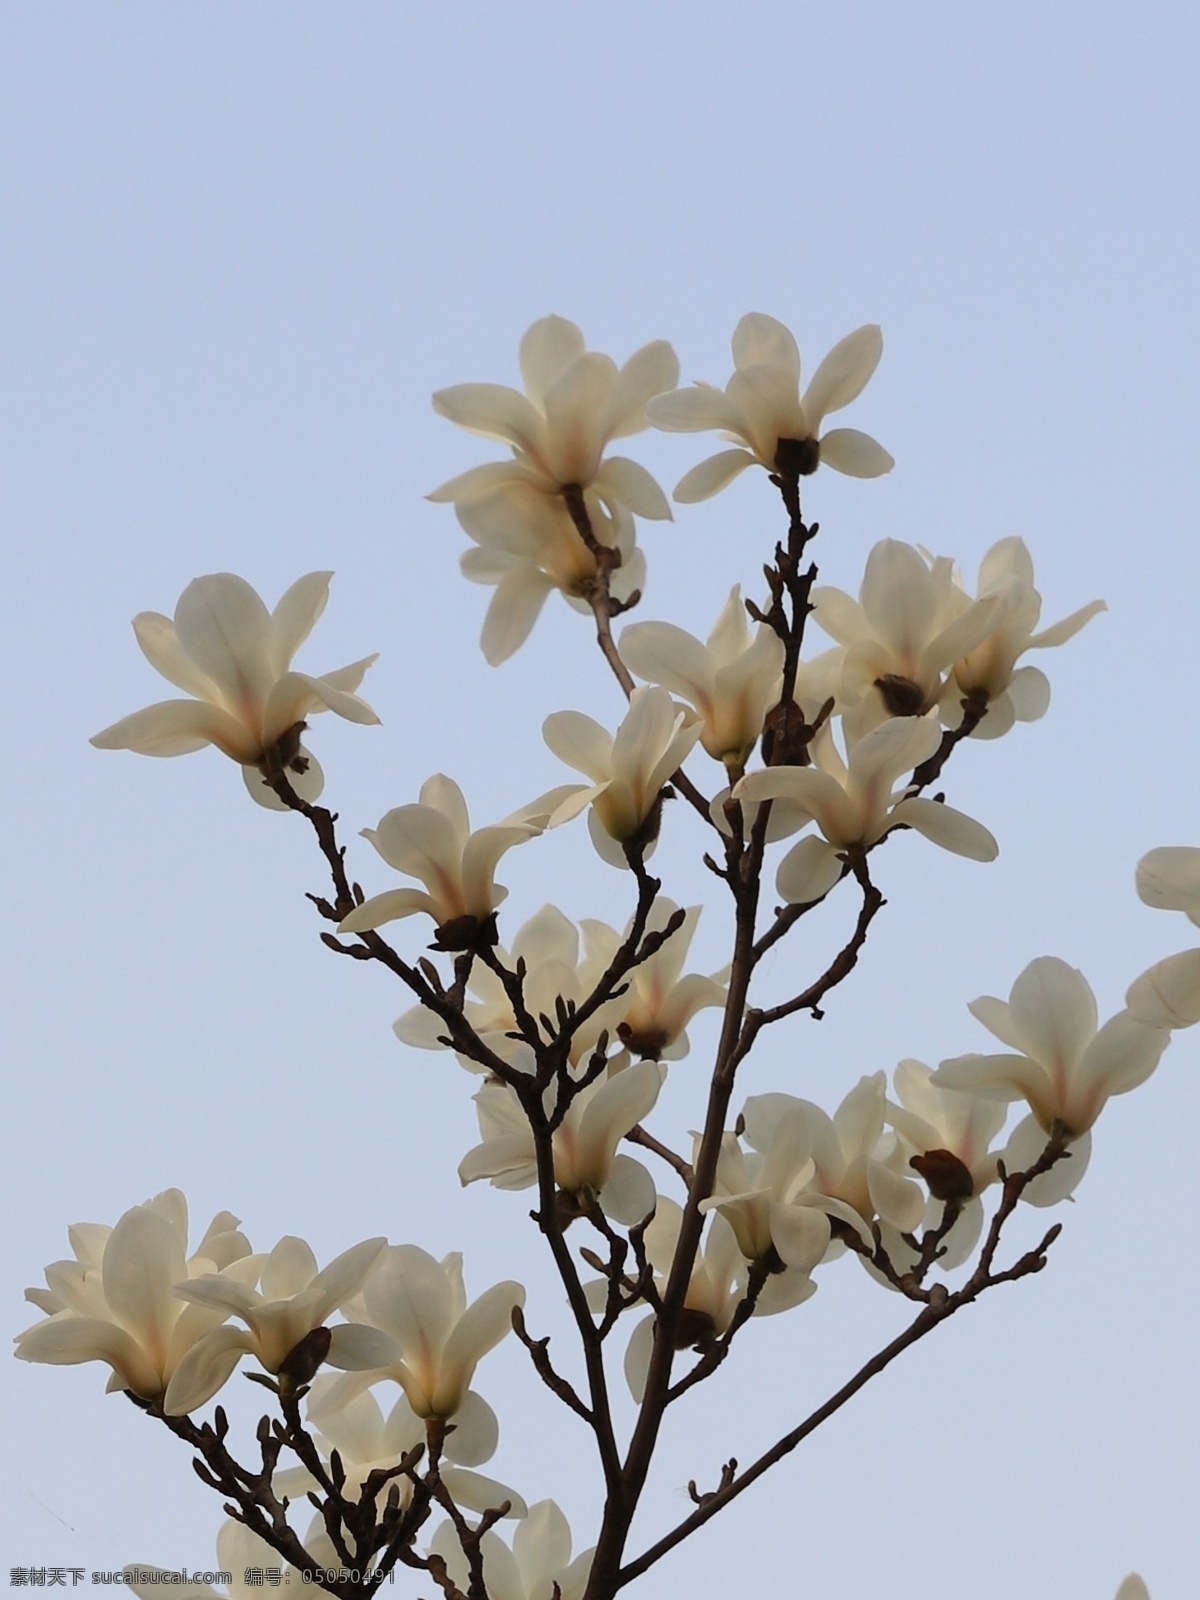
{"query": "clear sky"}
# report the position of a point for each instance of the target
(241, 246)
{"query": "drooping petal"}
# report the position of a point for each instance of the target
(1168, 995)
(856, 454)
(809, 871)
(512, 612)
(711, 476)
(945, 826)
(633, 486)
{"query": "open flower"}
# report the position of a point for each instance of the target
(234, 657)
(1168, 995)
(538, 1567)
(650, 1018)
(575, 402)
(988, 670)
(587, 1167)
(433, 841)
(901, 636)
(732, 681)
(761, 407)
(854, 805)
(295, 1300)
(119, 1302)
(1061, 1063)
(628, 772)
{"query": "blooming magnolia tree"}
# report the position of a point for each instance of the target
(793, 766)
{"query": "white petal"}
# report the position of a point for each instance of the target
(951, 829)
(1168, 995)
(711, 476)
(856, 454)
(808, 872)
(843, 374)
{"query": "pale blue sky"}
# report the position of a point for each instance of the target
(241, 245)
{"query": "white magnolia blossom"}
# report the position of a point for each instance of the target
(1168, 995)
(650, 1018)
(119, 1302)
(548, 948)
(431, 1341)
(1061, 1063)
(855, 804)
(239, 1552)
(576, 402)
(366, 1441)
(628, 772)
(946, 1135)
(714, 1292)
(538, 1566)
(432, 841)
(295, 1299)
(732, 681)
(903, 634)
(988, 671)
(762, 411)
(527, 546)
(587, 1166)
(234, 657)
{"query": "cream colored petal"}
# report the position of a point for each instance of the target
(856, 454)
(808, 872)
(1168, 995)
(696, 410)
(65, 1341)
(843, 374)
(512, 612)
(945, 826)
(295, 616)
(548, 347)
(760, 340)
(420, 841)
(482, 481)
(1169, 879)
(1122, 1055)
(1053, 1009)
(160, 645)
(1027, 1145)
(575, 404)
(661, 653)
(649, 371)
(176, 728)
(142, 1260)
(711, 476)
(581, 742)
(481, 1327)
(633, 486)
(225, 629)
(493, 410)
(1028, 694)
(628, 1194)
(1059, 632)
(204, 1369)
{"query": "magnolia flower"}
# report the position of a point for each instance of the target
(547, 947)
(234, 657)
(538, 1567)
(433, 841)
(366, 1441)
(575, 403)
(714, 1291)
(628, 772)
(761, 408)
(854, 805)
(988, 670)
(528, 546)
(1061, 1063)
(1168, 995)
(239, 1553)
(732, 682)
(651, 1016)
(586, 1164)
(119, 1301)
(295, 1300)
(945, 1135)
(901, 636)
(431, 1341)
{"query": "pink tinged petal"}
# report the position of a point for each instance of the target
(632, 486)
(1122, 1055)
(627, 1195)
(204, 1369)
(547, 349)
(760, 340)
(225, 629)
(855, 454)
(1169, 879)
(1059, 632)
(492, 410)
(512, 612)
(808, 872)
(945, 826)
(711, 476)
(800, 1234)
(1029, 695)
(295, 617)
(581, 742)
(844, 373)
(160, 645)
(176, 728)
(696, 410)
(1168, 995)
(1053, 1009)
(648, 372)
(66, 1341)
(1026, 1147)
